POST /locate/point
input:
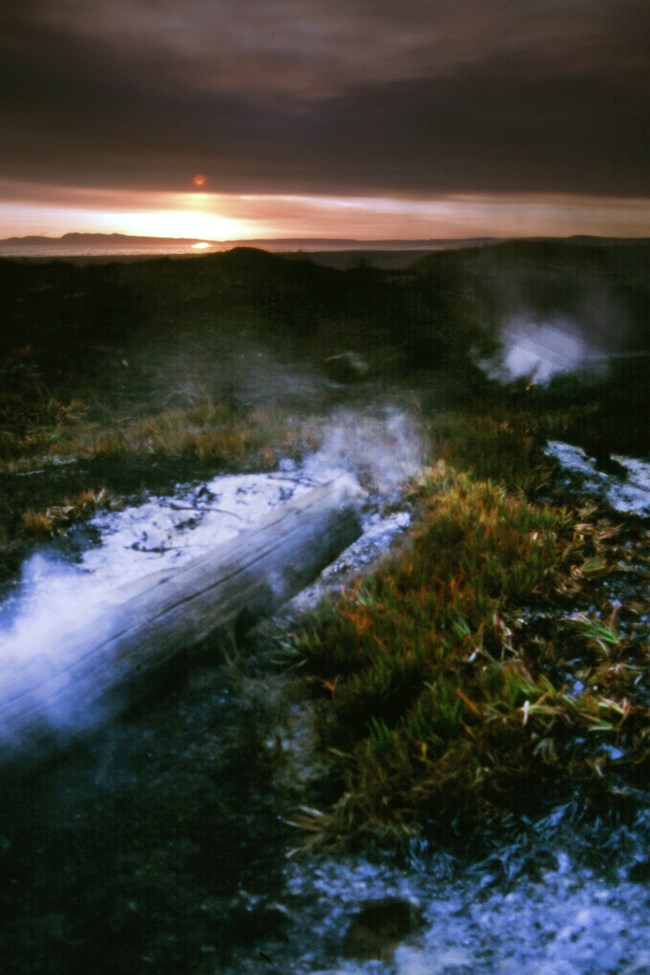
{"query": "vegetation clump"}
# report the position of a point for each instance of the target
(39, 525)
(449, 701)
(207, 433)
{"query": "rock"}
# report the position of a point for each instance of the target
(348, 367)
(379, 927)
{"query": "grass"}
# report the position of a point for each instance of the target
(445, 706)
(207, 435)
(210, 432)
(40, 525)
(491, 447)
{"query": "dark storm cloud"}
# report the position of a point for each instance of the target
(325, 96)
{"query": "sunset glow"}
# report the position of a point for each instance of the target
(325, 119)
(182, 223)
(220, 217)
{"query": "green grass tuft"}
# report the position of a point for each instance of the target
(439, 709)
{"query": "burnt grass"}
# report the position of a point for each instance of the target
(159, 845)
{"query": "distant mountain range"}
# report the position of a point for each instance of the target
(83, 243)
(95, 240)
(105, 241)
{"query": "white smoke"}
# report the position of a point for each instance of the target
(36, 660)
(540, 350)
(382, 450)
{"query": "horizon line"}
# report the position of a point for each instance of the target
(26, 239)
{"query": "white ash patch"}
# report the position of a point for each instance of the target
(170, 531)
(566, 923)
(166, 532)
(629, 494)
(379, 534)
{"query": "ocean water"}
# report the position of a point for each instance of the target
(56, 249)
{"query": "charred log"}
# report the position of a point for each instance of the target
(95, 671)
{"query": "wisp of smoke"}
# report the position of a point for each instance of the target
(35, 658)
(381, 449)
(540, 350)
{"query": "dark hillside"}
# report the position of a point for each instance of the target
(603, 286)
(86, 315)
(141, 330)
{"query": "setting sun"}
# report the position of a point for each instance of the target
(183, 223)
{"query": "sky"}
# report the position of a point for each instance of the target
(325, 118)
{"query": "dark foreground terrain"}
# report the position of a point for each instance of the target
(468, 723)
